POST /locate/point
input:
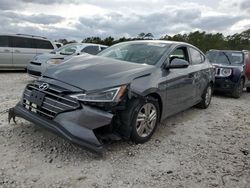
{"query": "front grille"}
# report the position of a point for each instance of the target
(54, 100)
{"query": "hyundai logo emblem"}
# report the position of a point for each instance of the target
(44, 86)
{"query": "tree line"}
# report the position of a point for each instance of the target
(201, 39)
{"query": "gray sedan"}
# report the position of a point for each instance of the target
(122, 93)
(40, 63)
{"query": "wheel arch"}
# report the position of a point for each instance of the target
(159, 100)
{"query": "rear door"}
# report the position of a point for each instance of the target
(23, 51)
(200, 72)
(5, 52)
(43, 46)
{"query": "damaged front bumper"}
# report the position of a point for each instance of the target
(77, 126)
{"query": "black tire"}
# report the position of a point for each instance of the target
(248, 89)
(237, 92)
(131, 115)
(206, 97)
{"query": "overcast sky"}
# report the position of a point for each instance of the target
(77, 19)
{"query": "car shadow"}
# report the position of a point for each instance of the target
(12, 71)
(222, 94)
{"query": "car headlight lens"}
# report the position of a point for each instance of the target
(54, 61)
(225, 72)
(110, 95)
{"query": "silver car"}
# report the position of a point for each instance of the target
(16, 51)
(40, 63)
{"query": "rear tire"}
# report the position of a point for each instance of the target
(237, 92)
(206, 97)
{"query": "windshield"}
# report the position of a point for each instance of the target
(225, 58)
(68, 49)
(142, 53)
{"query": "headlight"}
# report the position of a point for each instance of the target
(110, 95)
(225, 72)
(54, 61)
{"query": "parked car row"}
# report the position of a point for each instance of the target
(124, 91)
(40, 63)
(16, 51)
(232, 71)
(29, 52)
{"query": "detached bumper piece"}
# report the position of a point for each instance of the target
(62, 115)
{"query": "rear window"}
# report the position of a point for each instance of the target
(226, 58)
(4, 41)
(91, 50)
(43, 44)
(21, 42)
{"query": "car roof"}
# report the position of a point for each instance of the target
(214, 50)
(176, 43)
(93, 44)
(161, 41)
(26, 36)
(85, 44)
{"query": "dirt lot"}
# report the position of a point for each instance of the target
(196, 148)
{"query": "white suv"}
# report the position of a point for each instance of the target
(16, 51)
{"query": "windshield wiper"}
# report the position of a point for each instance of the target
(227, 58)
(65, 53)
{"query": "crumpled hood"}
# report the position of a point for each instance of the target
(94, 73)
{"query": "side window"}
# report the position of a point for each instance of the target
(196, 56)
(43, 44)
(58, 45)
(91, 50)
(22, 42)
(180, 53)
(103, 48)
(4, 41)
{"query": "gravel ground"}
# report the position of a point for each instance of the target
(195, 148)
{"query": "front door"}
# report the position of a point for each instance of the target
(180, 87)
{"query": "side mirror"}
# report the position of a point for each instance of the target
(178, 64)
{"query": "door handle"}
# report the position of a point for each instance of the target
(6, 50)
(17, 51)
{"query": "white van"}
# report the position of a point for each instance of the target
(16, 51)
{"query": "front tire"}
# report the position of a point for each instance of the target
(144, 117)
(206, 97)
(237, 92)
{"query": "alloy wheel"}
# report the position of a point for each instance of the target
(146, 120)
(208, 96)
